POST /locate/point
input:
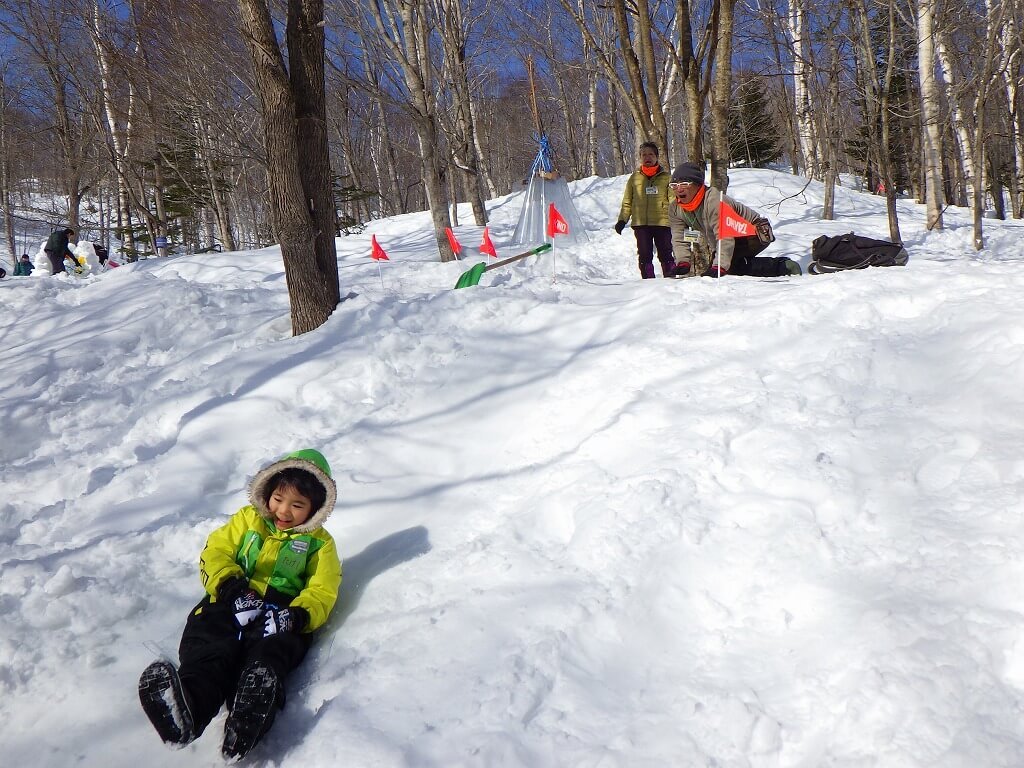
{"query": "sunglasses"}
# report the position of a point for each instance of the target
(682, 184)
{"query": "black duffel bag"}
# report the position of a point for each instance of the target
(852, 251)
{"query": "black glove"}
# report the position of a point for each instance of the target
(619, 226)
(276, 620)
(243, 601)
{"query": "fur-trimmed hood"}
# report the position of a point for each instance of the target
(313, 462)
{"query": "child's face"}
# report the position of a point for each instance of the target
(289, 507)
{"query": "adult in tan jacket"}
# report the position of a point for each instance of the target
(693, 218)
(645, 203)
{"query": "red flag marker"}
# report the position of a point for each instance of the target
(556, 224)
(455, 244)
(487, 246)
(376, 252)
(731, 224)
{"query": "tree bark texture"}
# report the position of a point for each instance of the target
(932, 140)
(403, 28)
(289, 112)
(722, 97)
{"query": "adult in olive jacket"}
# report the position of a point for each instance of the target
(693, 217)
(57, 249)
(645, 203)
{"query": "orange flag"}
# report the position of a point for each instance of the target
(376, 252)
(487, 246)
(556, 224)
(456, 246)
(731, 224)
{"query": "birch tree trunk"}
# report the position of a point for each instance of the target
(964, 144)
(6, 180)
(831, 145)
(645, 43)
(44, 36)
(161, 211)
(572, 144)
(618, 156)
(482, 157)
(995, 183)
(384, 155)
(221, 210)
(930, 114)
(592, 123)
(119, 131)
(885, 150)
(391, 162)
(801, 90)
(986, 76)
(1011, 46)
(454, 32)
(453, 200)
(639, 88)
(69, 134)
(722, 97)
(403, 27)
(694, 94)
(774, 22)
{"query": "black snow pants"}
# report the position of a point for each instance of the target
(213, 656)
(56, 262)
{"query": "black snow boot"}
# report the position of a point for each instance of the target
(163, 700)
(259, 696)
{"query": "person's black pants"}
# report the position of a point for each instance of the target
(213, 656)
(744, 251)
(56, 262)
(649, 236)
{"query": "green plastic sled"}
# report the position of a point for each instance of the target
(472, 275)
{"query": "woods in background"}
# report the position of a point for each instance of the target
(145, 117)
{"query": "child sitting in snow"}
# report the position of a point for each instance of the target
(272, 576)
(24, 266)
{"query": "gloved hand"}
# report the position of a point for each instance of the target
(619, 226)
(764, 229)
(276, 620)
(243, 601)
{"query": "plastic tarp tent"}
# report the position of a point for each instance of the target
(545, 186)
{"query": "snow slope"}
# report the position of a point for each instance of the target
(586, 521)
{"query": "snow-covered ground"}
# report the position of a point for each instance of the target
(586, 521)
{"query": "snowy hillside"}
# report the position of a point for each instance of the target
(585, 521)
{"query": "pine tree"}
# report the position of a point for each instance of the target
(754, 137)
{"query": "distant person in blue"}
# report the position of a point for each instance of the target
(24, 266)
(57, 249)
